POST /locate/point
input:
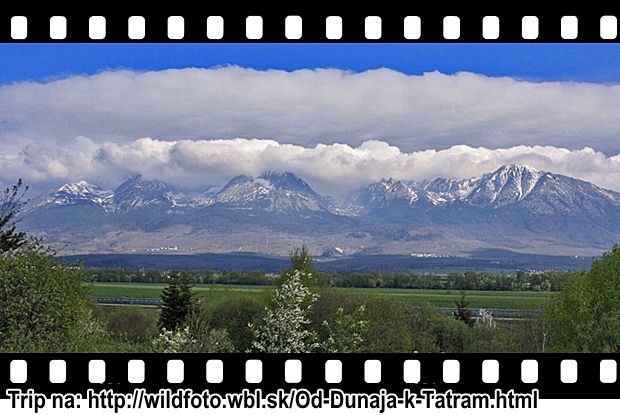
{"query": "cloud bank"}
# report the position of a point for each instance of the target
(307, 107)
(337, 129)
(330, 168)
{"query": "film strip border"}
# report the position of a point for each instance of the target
(234, 28)
(555, 376)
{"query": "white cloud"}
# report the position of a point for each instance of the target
(307, 107)
(330, 168)
(335, 128)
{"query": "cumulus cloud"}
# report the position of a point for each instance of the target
(331, 169)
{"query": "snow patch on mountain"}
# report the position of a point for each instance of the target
(77, 193)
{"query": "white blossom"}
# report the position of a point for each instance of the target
(177, 341)
(284, 328)
(486, 319)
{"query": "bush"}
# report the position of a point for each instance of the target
(221, 310)
(585, 314)
(346, 333)
(207, 339)
(387, 327)
(183, 340)
(526, 335)
(433, 331)
(487, 336)
(43, 302)
(327, 305)
(133, 323)
(384, 330)
(463, 313)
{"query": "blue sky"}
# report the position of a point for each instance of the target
(580, 62)
(198, 114)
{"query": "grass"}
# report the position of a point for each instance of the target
(520, 300)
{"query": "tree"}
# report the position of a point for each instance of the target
(301, 261)
(10, 205)
(284, 328)
(346, 333)
(43, 302)
(433, 331)
(178, 301)
(220, 310)
(133, 323)
(463, 313)
(287, 325)
(183, 340)
(585, 314)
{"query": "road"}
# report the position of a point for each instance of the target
(495, 312)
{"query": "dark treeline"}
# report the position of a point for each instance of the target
(469, 280)
(151, 275)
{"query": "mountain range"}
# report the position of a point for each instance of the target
(516, 207)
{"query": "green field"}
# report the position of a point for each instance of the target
(520, 300)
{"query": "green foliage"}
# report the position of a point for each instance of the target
(173, 341)
(387, 329)
(217, 341)
(133, 323)
(527, 335)
(585, 316)
(202, 276)
(10, 204)
(183, 340)
(302, 261)
(488, 337)
(433, 331)
(178, 301)
(222, 311)
(463, 313)
(384, 328)
(43, 303)
(290, 322)
(208, 339)
(346, 333)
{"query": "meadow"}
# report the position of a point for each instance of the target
(520, 300)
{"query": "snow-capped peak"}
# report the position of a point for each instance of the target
(76, 188)
(137, 192)
(279, 192)
(77, 193)
(506, 185)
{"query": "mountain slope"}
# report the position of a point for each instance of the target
(538, 191)
(271, 192)
(75, 194)
(515, 207)
(137, 192)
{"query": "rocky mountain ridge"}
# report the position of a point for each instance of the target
(515, 207)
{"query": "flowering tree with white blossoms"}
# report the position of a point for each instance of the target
(285, 324)
(182, 340)
(173, 341)
(486, 319)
